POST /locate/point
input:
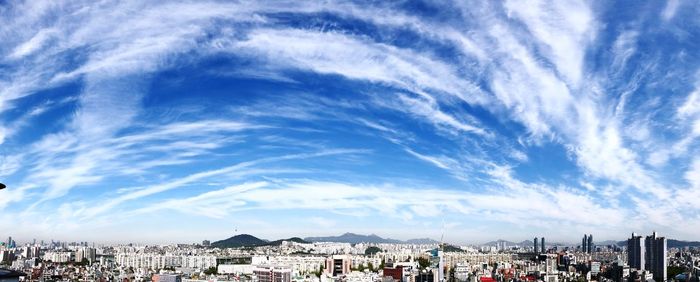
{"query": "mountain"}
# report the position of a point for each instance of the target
(451, 249)
(680, 244)
(245, 240)
(523, 243)
(671, 243)
(353, 238)
(607, 242)
(500, 241)
(293, 239)
(421, 241)
(526, 243)
(242, 240)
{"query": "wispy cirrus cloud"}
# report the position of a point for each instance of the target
(562, 103)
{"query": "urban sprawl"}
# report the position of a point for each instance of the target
(642, 258)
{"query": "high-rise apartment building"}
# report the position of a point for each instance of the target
(338, 265)
(544, 250)
(655, 256)
(587, 243)
(6, 256)
(79, 255)
(535, 245)
(635, 252)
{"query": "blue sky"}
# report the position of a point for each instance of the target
(189, 120)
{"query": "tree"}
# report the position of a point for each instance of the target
(320, 271)
(372, 250)
(361, 267)
(83, 262)
(672, 271)
(423, 262)
(370, 266)
(452, 274)
(210, 271)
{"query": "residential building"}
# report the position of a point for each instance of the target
(268, 273)
(635, 252)
(655, 256)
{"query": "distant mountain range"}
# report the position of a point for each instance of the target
(421, 241)
(353, 238)
(500, 241)
(508, 243)
(671, 243)
(608, 242)
(246, 240)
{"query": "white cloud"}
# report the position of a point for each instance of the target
(534, 74)
(519, 155)
(691, 106)
(624, 47)
(513, 202)
(563, 27)
(692, 175)
(356, 58)
(138, 193)
(670, 9)
(428, 109)
(34, 44)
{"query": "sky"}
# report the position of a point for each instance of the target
(179, 121)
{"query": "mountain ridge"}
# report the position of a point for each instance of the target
(354, 238)
(247, 240)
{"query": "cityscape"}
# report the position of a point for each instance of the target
(350, 140)
(359, 258)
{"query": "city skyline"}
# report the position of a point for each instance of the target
(136, 121)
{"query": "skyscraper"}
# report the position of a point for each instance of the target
(590, 244)
(543, 248)
(535, 245)
(635, 252)
(655, 256)
(583, 243)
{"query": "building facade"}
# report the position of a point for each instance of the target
(635, 252)
(338, 265)
(655, 256)
(272, 274)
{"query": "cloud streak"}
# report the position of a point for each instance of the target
(496, 111)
